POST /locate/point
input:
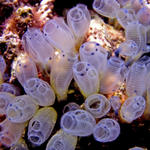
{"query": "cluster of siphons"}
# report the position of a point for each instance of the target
(55, 51)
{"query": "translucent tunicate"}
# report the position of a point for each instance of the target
(107, 130)
(10, 132)
(128, 49)
(132, 108)
(62, 141)
(25, 68)
(40, 90)
(70, 107)
(2, 65)
(86, 77)
(98, 105)
(5, 100)
(9, 88)
(136, 32)
(137, 148)
(41, 125)
(143, 15)
(115, 103)
(78, 19)
(94, 54)
(21, 109)
(37, 47)
(112, 76)
(61, 73)
(136, 5)
(78, 123)
(136, 79)
(123, 3)
(59, 34)
(106, 8)
(125, 16)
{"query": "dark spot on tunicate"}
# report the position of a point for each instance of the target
(82, 46)
(87, 69)
(50, 58)
(63, 55)
(82, 74)
(25, 66)
(97, 44)
(88, 64)
(96, 49)
(92, 53)
(20, 65)
(10, 105)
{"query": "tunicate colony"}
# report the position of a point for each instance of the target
(55, 50)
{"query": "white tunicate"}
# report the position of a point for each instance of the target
(78, 123)
(86, 77)
(94, 54)
(106, 8)
(125, 16)
(78, 19)
(37, 47)
(136, 79)
(59, 34)
(62, 141)
(70, 107)
(2, 65)
(115, 103)
(136, 32)
(41, 125)
(5, 100)
(25, 68)
(61, 73)
(143, 15)
(132, 108)
(20, 145)
(9, 88)
(106, 130)
(40, 90)
(21, 109)
(10, 132)
(129, 49)
(98, 105)
(112, 76)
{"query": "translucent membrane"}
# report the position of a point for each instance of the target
(132, 108)
(136, 32)
(125, 16)
(136, 5)
(78, 123)
(143, 15)
(112, 76)
(115, 103)
(37, 47)
(59, 34)
(78, 19)
(106, 8)
(70, 107)
(147, 107)
(128, 49)
(94, 54)
(10, 132)
(61, 73)
(107, 130)
(40, 90)
(87, 78)
(41, 125)
(5, 100)
(98, 105)
(20, 145)
(2, 65)
(123, 2)
(9, 88)
(25, 68)
(62, 141)
(21, 109)
(136, 79)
